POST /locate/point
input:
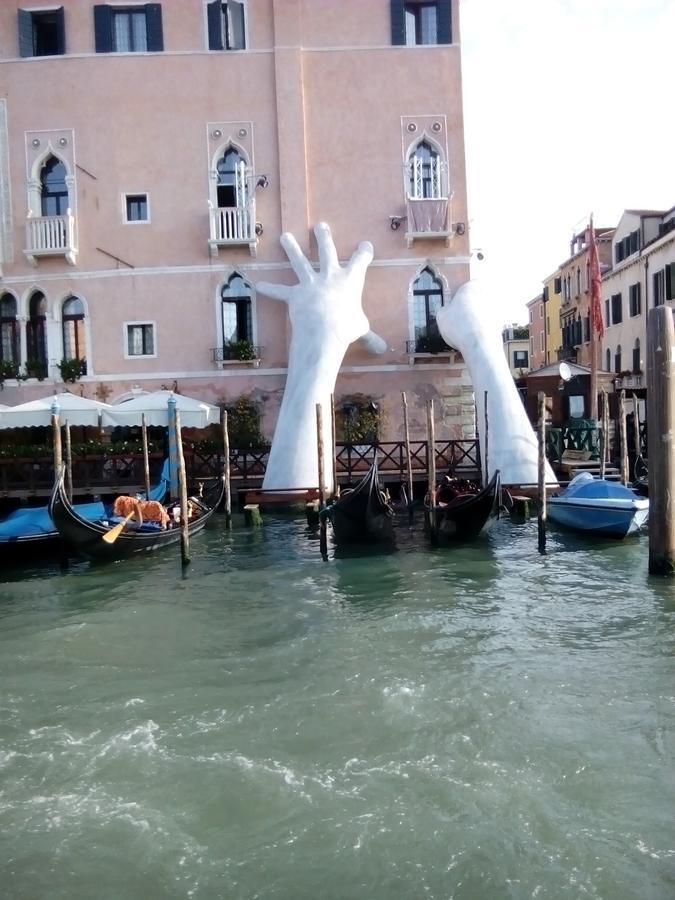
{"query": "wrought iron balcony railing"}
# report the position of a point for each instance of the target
(428, 345)
(238, 351)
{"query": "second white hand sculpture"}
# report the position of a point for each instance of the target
(512, 447)
(326, 317)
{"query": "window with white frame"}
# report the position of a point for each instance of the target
(227, 25)
(9, 332)
(139, 339)
(236, 316)
(73, 329)
(427, 299)
(425, 175)
(520, 359)
(136, 208)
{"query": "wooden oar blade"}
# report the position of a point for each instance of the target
(111, 536)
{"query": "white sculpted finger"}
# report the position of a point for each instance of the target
(373, 342)
(328, 258)
(362, 258)
(275, 291)
(300, 263)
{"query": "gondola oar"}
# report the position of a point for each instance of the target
(111, 536)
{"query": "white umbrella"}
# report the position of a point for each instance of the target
(38, 413)
(155, 407)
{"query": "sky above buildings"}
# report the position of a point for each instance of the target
(568, 110)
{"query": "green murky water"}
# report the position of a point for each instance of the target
(479, 722)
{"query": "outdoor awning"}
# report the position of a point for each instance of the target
(155, 406)
(73, 408)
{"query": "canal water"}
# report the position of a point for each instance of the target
(471, 723)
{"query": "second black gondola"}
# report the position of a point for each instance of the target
(460, 511)
(364, 514)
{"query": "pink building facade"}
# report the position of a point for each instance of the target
(152, 155)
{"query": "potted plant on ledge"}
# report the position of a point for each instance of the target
(72, 369)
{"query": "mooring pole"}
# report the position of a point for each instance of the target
(541, 518)
(604, 434)
(226, 472)
(56, 433)
(182, 484)
(408, 461)
(485, 412)
(69, 462)
(336, 489)
(323, 537)
(431, 465)
(146, 459)
(661, 439)
(623, 437)
(636, 428)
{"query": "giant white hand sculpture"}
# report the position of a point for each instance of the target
(326, 317)
(512, 447)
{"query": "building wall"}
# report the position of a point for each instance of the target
(322, 103)
(537, 323)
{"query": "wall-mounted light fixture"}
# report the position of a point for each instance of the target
(258, 228)
(262, 181)
(395, 222)
(460, 228)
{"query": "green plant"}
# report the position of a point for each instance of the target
(243, 350)
(36, 368)
(72, 369)
(8, 369)
(243, 423)
(358, 420)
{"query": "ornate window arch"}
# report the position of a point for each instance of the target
(237, 319)
(51, 186)
(36, 331)
(426, 171)
(426, 297)
(232, 197)
(9, 331)
(74, 328)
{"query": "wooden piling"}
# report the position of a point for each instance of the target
(408, 460)
(623, 437)
(661, 439)
(431, 463)
(541, 519)
(252, 515)
(636, 426)
(485, 413)
(323, 536)
(604, 434)
(56, 433)
(336, 487)
(69, 462)
(226, 472)
(146, 457)
(182, 487)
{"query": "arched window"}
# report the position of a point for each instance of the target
(74, 340)
(427, 299)
(9, 335)
(54, 194)
(608, 360)
(425, 173)
(36, 338)
(637, 362)
(237, 316)
(617, 359)
(232, 187)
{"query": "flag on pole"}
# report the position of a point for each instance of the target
(597, 324)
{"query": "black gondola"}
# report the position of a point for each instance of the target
(462, 510)
(364, 514)
(86, 537)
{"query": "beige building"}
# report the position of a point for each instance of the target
(642, 277)
(151, 156)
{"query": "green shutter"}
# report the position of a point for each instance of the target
(103, 28)
(397, 22)
(444, 14)
(153, 20)
(25, 33)
(215, 19)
